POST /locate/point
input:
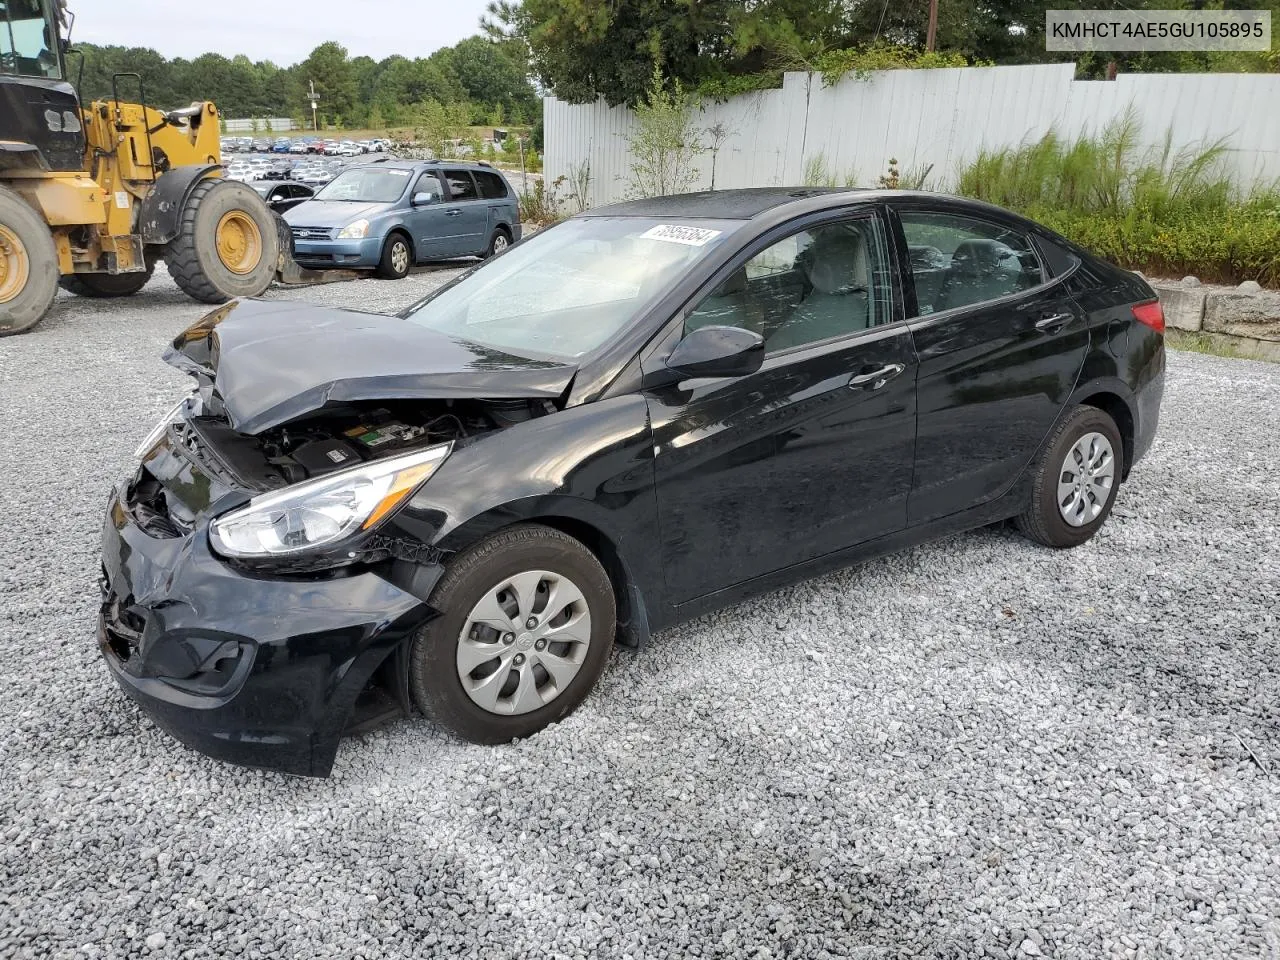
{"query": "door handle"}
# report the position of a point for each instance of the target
(453, 213)
(1054, 323)
(876, 378)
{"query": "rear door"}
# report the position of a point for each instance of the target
(1000, 348)
(470, 214)
(812, 453)
(497, 198)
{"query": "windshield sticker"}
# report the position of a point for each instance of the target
(399, 173)
(690, 236)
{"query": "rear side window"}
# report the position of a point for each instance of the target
(461, 186)
(1058, 259)
(958, 261)
(492, 186)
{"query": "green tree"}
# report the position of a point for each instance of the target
(330, 70)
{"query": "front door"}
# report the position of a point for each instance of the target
(434, 231)
(1001, 347)
(813, 452)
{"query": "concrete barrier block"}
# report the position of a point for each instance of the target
(1183, 306)
(1254, 315)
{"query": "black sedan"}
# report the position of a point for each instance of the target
(642, 414)
(282, 195)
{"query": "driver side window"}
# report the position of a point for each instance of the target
(428, 183)
(815, 285)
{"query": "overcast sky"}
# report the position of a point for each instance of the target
(283, 31)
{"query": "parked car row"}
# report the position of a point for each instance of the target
(301, 145)
(316, 171)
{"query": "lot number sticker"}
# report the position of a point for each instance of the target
(671, 233)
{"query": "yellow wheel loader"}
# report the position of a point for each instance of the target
(91, 197)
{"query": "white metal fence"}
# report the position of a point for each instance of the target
(929, 117)
(260, 125)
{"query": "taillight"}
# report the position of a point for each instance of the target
(1151, 314)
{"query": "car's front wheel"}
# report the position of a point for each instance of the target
(527, 623)
(1076, 480)
(397, 257)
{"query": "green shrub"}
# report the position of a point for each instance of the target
(1164, 212)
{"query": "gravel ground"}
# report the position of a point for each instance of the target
(977, 748)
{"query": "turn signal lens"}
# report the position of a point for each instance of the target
(1151, 315)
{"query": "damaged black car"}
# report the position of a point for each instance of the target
(642, 414)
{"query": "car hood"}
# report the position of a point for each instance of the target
(330, 213)
(273, 362)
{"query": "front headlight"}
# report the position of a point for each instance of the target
(355, 231)
(324, 511)
(152, 439)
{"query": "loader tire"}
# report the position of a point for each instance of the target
(28, 265)
(227, 246)
(104, 285)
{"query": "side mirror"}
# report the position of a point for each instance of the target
(424, 199)
(718, 352)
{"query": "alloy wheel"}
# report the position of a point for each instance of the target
(400, 256)
(1086, 479)
(500, 243)
(523, 642)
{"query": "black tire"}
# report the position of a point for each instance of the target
(500, 238)
(397, 257)
(105, 284)
(35, 254)
(193, 258)
(433, 672)
(1043, 521)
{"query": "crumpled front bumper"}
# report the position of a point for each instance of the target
(253, 669)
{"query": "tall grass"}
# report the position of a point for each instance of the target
(1160, 210)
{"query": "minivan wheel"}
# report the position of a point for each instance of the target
(1076, 480)
(397, 258)
(527, 623)
(498, 243)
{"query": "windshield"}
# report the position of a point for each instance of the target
(568, 289)
(28, 43)
(367, 185)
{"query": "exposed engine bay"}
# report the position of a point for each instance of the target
(343, 436)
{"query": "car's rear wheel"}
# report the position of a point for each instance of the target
(1076, 480)
(498, 243)
(397, 258)
(527, 625)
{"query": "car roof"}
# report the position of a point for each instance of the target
(742, 204)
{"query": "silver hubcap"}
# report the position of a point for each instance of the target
(499, 243)
(1086, 479)
(399, 257)
(524, 642)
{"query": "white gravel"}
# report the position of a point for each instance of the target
(978, 748)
